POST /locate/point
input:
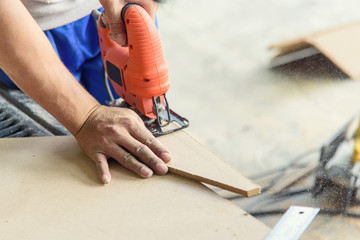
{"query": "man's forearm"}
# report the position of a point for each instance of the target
(28, 58)
(102, 132)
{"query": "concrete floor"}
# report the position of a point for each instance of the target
(252, 116)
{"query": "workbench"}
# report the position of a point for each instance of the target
(50, 190)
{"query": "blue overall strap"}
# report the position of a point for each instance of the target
(77, 45)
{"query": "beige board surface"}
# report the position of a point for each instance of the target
(340, 45)
(192, 160)
(50, 190)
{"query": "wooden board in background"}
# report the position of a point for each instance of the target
(339, 44)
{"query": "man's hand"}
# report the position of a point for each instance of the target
(112, 16)
(120, 134)
(116, 132)
(101, 133)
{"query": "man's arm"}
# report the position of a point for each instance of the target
(102, 132)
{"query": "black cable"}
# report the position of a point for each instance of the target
(291, 164)
(292, 193)
(282, 195)
(280, 172)
(107, 86)
(96, 14)
(274, 197)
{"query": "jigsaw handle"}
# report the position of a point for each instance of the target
(138, 72)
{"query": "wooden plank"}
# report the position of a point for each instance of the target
(192, 160)
(339, 45)
(50, 190)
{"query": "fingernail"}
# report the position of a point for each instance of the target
(106, 179)
(166, 156)
(120, 39)
(161, 168)
(111, 37)
(104, 20)
(146, 172)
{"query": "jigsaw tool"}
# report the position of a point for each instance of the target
(139, 72)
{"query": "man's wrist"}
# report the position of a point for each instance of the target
(86, 118)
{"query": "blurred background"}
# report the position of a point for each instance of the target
(273, 125)
(253, 117)
(256, 118)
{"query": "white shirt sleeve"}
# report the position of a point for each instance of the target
(50, 14)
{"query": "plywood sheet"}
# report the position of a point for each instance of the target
(50, 190)
(340, 45)
(191, 159)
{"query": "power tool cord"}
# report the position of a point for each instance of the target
(282, 195)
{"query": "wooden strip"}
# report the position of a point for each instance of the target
(50, 190)
(193, 160)
(290, 46)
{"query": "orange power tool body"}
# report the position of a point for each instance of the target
(139, 72)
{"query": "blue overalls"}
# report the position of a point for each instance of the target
(77, 45)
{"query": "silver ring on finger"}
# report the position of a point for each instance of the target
(127, 157)
(148, 142)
